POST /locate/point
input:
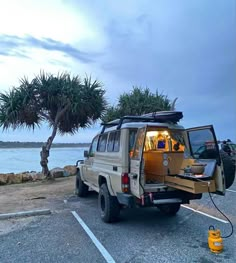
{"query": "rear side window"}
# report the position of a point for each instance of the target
(138, 147)
(132, 134)
(113, 144)
(102, 143)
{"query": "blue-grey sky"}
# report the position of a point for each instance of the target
(184, 48)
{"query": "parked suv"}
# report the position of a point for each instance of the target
(230, 148)
(150, 160)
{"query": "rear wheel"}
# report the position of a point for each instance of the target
(108, 205)
(169, 209)
(229, 168)
(81, 189)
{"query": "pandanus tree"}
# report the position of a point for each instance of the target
(137, 102)
(65, 102)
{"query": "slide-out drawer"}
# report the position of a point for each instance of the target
(189, 185)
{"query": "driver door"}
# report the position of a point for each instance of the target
(88, 162)
(202, 145)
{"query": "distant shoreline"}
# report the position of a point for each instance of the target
(39, 145)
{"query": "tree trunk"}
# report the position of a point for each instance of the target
(44, 154)
(46, 148)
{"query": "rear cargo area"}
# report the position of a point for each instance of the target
(162, 169)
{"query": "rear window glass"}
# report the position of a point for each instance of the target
(132, 135)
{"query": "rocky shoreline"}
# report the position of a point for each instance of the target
(18, 178)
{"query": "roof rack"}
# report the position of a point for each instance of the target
(161, 117)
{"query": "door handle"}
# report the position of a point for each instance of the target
(133, 176)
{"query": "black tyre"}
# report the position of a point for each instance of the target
(108, 205)
(229, 168)
(169, 209)
(81, 189)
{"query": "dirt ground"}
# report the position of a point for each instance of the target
(33, 196)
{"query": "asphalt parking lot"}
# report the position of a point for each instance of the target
(75, 233)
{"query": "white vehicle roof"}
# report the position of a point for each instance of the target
(135, 125)
(166, 119)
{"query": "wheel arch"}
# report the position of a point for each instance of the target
(80, 170)
(105, 178)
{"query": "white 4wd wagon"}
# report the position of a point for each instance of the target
(150, 160)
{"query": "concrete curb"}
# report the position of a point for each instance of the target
(25, 213)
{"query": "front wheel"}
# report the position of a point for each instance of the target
(81, 189)
(169, 209)
(108, 205)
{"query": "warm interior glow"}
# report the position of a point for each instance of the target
(152, 133)
(165, 133)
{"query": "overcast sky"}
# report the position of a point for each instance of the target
(184, 48)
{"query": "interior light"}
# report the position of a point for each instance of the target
(165, 133)
(152, 133)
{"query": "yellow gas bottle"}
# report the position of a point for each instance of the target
(215, 240)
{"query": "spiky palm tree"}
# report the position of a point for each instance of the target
(139, 101)
(66, 103)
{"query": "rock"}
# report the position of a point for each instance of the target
(3, 179)
(58, 172)
(37, 176)
(70, 169)
(14, 178)
(26, 177)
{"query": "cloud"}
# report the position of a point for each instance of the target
(11, 45)
(193, 51)
(175, 47)
(185, 49)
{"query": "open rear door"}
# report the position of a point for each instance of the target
(203, 146)
(137, 164)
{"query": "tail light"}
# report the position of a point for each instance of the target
(125, 182)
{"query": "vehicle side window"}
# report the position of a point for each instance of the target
(116, 147)
(138, 148)
(93, 147)
(132, 135)
(102, 143)
(113, 144)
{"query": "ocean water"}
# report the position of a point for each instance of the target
(28, 159)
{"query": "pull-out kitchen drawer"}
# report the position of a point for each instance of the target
(189, 185)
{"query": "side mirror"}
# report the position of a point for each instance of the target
(86, 154)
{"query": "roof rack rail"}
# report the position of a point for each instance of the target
(161, 116)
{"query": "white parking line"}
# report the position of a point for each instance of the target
(99, 246)
(202, 213)
(231, 191)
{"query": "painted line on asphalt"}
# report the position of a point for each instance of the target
(202, 213)
(231, 191)
(26, 213)
(99, 246)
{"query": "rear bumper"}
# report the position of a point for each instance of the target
(156, 198)
(126, 199)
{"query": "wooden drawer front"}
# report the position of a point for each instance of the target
(190, 185)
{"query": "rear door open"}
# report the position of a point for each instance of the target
(136, 174)
(203, 147)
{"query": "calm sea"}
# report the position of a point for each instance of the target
(28, 159)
